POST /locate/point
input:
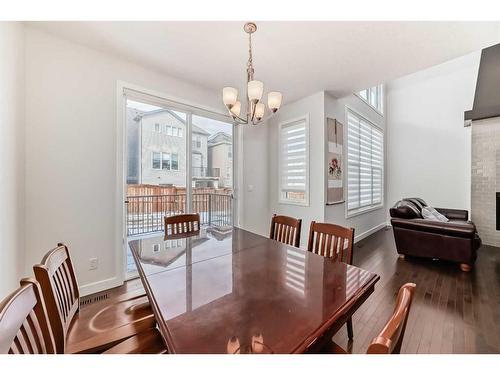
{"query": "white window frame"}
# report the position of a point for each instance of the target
(282, 200)
(157, 127)
(171, 159)
(372, 207)
(380, 98)
(153, 160)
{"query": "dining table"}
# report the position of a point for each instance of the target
(228, 290)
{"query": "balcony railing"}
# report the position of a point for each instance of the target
(145, 213)
(205, 172)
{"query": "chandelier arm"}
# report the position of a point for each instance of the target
(238, 119)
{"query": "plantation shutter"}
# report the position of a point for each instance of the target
(293, 156)
(365, 150)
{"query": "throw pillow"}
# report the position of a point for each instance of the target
(430, 213)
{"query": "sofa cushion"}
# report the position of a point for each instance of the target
(418, 202)
(405, 210)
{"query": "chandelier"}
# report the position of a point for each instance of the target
(255, 109)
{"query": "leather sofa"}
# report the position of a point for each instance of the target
(456, 240)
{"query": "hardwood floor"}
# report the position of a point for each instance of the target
(452, 312)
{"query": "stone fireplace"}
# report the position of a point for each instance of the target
(485, 179)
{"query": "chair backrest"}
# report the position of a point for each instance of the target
(24, 324)
(332, 241)
(60, 291)
(286, 229)
(179, 225)
(390, 339)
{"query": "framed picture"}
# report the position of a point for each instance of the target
(335, 165)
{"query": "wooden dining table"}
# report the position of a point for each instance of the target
(227, 290)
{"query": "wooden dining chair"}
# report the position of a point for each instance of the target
(285, 229)
(96, 327)
(147, 342)
(331, 241)
(182, 225)
(391, 337)
(24, 324)
(335, 242)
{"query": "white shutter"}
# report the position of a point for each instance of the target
(293, 156)
(365, 159)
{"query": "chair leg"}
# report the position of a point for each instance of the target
(350, 332)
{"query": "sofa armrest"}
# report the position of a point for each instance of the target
(454, 214)
(454, 229)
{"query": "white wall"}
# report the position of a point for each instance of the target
(11, 156)
(71, 144)
(367, 222)
(429, 150)
(314, 106)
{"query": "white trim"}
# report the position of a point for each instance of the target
(365, 234)
(99, 286)
(280, 127)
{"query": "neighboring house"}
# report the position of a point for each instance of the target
(220, 158)
(157, 150)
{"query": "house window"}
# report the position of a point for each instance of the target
(374, 97)
(169, 130)
(175, 131)
(197, 142)
(230, 154)
(294, 162)
(175, 162)
(156, 160)
(157, 127)
(365, 164)
(179, 132)
(165, 160)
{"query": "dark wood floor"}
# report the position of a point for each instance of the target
(452, 312)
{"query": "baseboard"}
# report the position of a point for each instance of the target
(376, 228)
(99, 286)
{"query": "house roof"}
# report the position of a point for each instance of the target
(196, 129)
(220, 137)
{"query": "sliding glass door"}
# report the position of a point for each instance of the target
(167, 147)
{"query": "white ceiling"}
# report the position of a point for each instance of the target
(297, 58)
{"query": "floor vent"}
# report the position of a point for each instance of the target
(85, 301)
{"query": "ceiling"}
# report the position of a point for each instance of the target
(297, 58)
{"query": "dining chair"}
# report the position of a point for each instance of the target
(181, 225)
(285, 229)
(146, 342)
(96, 327)
(390, 338)
(335, 242)
(24, 324)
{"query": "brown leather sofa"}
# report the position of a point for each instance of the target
(456, 240)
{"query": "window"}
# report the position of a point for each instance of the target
(374, 97)
(179, 132)
(175, 162)
(165, 160)
(174, 131)
(294, 162)
(197, 142)
(157, 127)
(169, 130)
(229, 154)
(156, 160)
(365, 164)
